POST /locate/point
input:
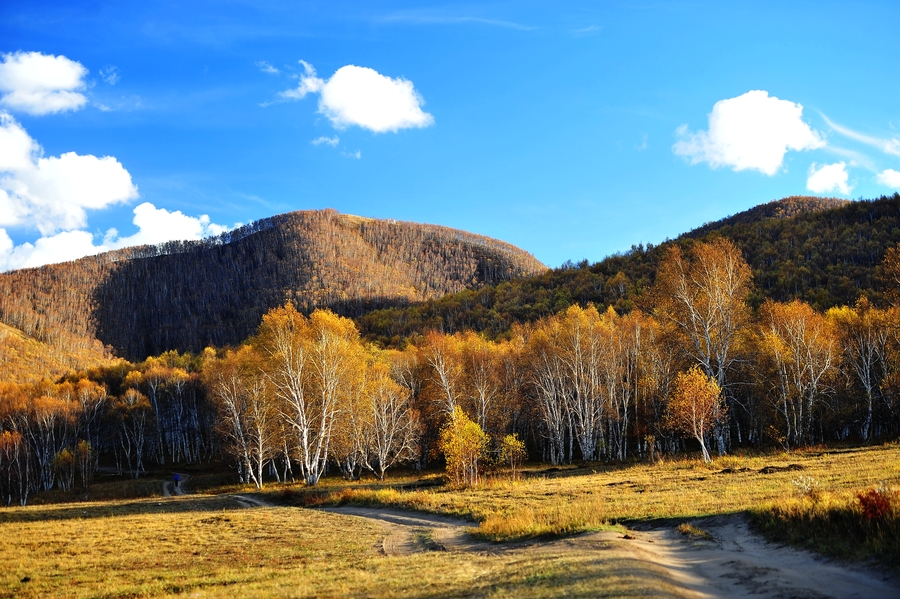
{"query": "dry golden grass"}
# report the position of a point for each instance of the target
(858, 525)
(206, 547)
(562, 501)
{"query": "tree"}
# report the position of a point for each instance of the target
(247, 414)
(864, 333)
(392, 430)
(704, 294)
(312, 364)
(463, 444)
(695, 405)
(802, 345)
(512, 452)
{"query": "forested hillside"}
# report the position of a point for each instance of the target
(823, 251)
(187, 295)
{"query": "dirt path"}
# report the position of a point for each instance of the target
(739, 563)
(170, 488)
(414, 532)
(736, 563)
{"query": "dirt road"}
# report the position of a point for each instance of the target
(170, 488)
(735, 563)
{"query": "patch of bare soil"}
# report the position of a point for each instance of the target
(737, 562)
(732, 561)
(414, 532)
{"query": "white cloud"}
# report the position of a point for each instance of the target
(751, 131)
(888, 146)
(39, 84)
(110, 74)
(889, 178)
(828, 178)
(357, 154)
(266, 67)
(155, 226)
(158, 225)
(328, 141)
(363, 97)
(53, 194)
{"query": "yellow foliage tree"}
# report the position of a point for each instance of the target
(695, 405)
(463, 444)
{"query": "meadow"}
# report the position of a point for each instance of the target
(206, 544)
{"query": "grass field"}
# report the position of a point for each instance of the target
(548, 502)
(206, 545)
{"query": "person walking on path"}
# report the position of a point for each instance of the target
(177, 480)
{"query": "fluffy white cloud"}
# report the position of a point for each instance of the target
(54, 193)
(889, 178)
(155, 225)
(751, 131)
(41, 83)
(363, 97)
(158, 225)
(828, 178)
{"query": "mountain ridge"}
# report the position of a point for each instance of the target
(185, 295)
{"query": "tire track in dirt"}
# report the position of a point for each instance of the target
(736, 563)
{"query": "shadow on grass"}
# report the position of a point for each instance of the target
(117, 509)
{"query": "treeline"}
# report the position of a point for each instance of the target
(141, 302)
(582, 384)
(819, 250)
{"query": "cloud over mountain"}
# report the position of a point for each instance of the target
(363, 97)
(750, 132)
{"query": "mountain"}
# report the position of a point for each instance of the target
(821, 250)
(187, 295)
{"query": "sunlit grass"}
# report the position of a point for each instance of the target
(207, 547)
(852, 524)
(549, 502)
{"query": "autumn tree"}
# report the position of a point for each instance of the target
(513, 453)
(134, 418)
(392, 431)
(549, 385)
(802, 346)
(312, 364)
(464, 445)
(704, 295)
(247, 413)
(695, 405)
(865, 336)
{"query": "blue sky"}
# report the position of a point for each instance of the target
(570, 129)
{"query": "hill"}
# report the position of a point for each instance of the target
(186, 295)
(821, 250)
(24, 359)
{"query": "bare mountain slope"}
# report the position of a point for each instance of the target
(186, 295)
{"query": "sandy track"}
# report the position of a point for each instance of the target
(737, 563)
(740, 563)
